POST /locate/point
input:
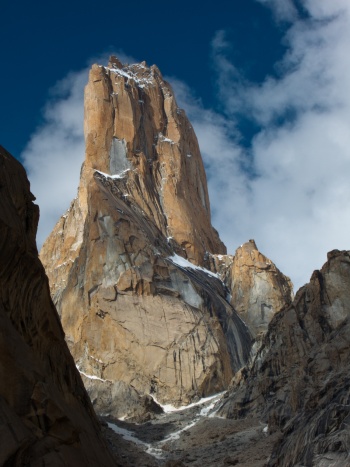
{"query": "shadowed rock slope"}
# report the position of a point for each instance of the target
(127, 262)
(46, 417)
(299, 381)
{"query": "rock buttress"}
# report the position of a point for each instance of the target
(258, 289)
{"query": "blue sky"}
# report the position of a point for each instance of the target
(266, 84)
(41, 43)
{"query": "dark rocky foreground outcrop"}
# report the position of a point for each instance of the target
(299, 381)
(46, 417)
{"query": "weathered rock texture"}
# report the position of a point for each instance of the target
(46, 417)
(257, 287)
(300, 379)
(133, 309)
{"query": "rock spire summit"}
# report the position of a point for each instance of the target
(135, 130)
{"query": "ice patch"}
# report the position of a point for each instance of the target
(91, 376)
(186, 289)
(118, 161)
(162, 138)
(127, 434)
(177, 434)
(130, 436)
(96, 359)
(180, 261)
(203, 413)
(115, 176)
(206, 410)
(158, 451)
(141, 81)
(168, 408)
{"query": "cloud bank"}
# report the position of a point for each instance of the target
(55, 152)
(296, 196)
(289, 189)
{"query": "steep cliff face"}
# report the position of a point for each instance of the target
(134, 127)
(135, 132)
(299, 381)
(258, 289)
(46, 417)
(133, 308)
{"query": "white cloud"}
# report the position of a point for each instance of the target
(297, 204)
(55, 152)
(284, 10)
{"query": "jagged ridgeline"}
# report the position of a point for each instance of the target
(140, 278)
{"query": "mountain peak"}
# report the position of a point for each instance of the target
(133, 309)
(136, 132)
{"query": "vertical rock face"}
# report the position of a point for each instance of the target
(257, 287)
(46, 417)
(299, 380)
(134, 126)
(134, 309)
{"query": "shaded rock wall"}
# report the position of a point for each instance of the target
(299, 381)
(46, 417)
